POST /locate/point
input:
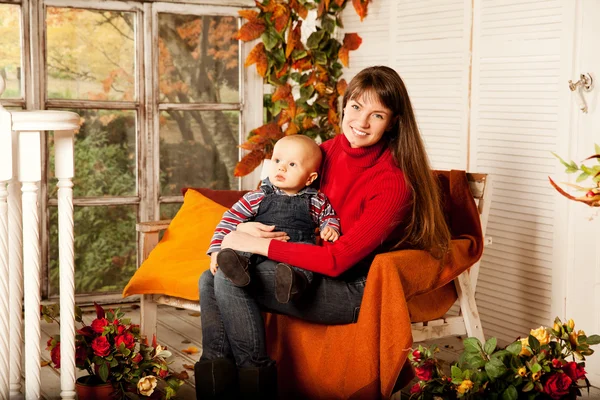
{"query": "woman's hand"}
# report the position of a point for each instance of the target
(244, 242)
(259, 230)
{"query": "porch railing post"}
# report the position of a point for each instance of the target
(30, 176)
(63, 147)
(6, 173)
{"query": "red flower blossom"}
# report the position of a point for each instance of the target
(416, 355)
(574, 371)
(163, 373)
(101, 346)
(99, 324)
(557, 385)
(425, 372)
(87, 331)
(137, 359)
(55, 355)
(49, 344)
(126, 339)
(415, 389)
(80, 356)
(556, 363)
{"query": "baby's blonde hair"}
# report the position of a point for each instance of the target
(310, 146)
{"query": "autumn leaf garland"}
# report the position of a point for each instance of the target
(311, 70)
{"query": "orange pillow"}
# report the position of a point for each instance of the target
(176, 263)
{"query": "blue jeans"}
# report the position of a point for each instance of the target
(232, 323)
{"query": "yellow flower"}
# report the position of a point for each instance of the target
(541, 334)
(524, 350)
(571, 325)
(536, 376)
(556, 327)
(522, 371)
(146, 385)
(573, 339)
(465, 386)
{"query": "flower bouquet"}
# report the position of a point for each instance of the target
(540, 366)
(591, 195)
(112, 350)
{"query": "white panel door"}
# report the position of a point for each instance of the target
(583, 237)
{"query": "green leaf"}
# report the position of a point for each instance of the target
(510, 393)
(528, 387)
(594, 339)
(534, 344)
(296, 55)
(320, 57)
(328, 24)
(306, 92)
(472, 345)
(103, 372)
(315, 38)
(474, 360)
(338, 21)
(495, 368)
(456, 373)
(270, 39)
(582, 177)
(536, 368)
(490, 345)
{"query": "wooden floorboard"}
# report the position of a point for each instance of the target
(179, 329)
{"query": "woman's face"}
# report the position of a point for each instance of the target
(365, 120)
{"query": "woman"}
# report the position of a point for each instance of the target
(378, 179)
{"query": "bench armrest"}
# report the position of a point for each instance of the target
(152, 226)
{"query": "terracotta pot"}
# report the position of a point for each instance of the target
(90, 387)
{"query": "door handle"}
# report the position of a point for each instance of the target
(585, 83)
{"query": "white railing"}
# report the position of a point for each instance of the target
(20, 261)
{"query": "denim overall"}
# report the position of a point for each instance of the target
(289, 214)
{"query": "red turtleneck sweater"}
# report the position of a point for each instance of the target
(368, 192)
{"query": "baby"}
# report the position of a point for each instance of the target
(286, 200)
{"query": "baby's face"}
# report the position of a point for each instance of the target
(292, 166)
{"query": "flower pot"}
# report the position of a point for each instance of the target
(90, 387)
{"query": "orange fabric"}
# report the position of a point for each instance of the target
(364, 360)
(176, 263)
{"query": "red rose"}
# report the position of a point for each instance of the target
(556, 363)
(55, 355)
(99, 324)
(121, 329)
(574, 371)
(416, 355)
(127, 339)
(415, 389)
(138, 358)
(101, 346)
(49, 344)
(424, 372)
(163, 373)
(87, 331)
(557, 385)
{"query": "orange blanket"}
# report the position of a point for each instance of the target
(364, 360)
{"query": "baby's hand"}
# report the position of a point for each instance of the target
(329, 234)
(213, 262)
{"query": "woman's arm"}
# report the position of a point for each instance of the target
(244, 242)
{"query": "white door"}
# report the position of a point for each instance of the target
(583, 270)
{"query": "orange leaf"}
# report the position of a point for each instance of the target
(332, 117)
(190, 350)
(303, 64)
(282, 71)
(188, 366)
(352, 41)
(280, 16)
(293, 39)
(299, 8)
(282, 92)
(340, 3)
(250, 31)
(259, 57)
(249, 163)
(270, 130)
(44, 363)
(292, 129)
(307, 123)
(361, 8)
(341, 86)
(250, 15)
(343, 56)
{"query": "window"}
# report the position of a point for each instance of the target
(160, 91)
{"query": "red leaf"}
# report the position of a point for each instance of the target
(282, 92)
(259, 57)
(249, 163)
(361, 8)
(352, 41)
(293, 39)
(341, 86)
(299, 8)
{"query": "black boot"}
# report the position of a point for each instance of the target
(258, 383)
(289, 283)
(216, 379)
(234, 266)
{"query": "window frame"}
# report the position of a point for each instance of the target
(146, 105)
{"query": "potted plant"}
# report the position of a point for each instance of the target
(547, 364)
(119, 361)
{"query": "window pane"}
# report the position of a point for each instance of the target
(10, 50)
(168, 210)
(105, 248)
(198, 148)
(105, 155)
(90, 54)
(198, 59)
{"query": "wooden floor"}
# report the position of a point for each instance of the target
(179, 330)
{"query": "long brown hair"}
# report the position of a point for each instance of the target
(426, 226)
